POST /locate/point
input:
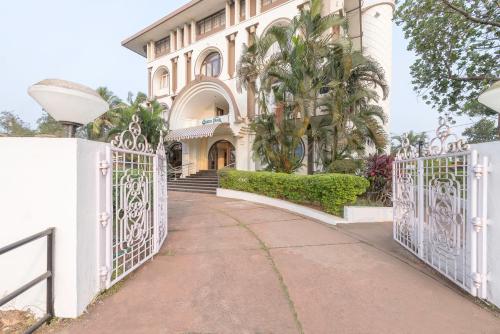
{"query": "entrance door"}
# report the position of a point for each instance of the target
(174, 155)
(221, 154)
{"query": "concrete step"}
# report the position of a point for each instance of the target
(201, 191)
(193, 186)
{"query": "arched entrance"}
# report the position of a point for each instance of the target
(174, 155)
(221, 154)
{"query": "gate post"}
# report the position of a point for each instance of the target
(420, 206)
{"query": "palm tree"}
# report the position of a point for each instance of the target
(98, 129)
(355, 122)
(287, 64)
(151, 118)
(414, 139)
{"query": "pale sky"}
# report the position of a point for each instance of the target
(79, 40)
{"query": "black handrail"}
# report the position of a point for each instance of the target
(48, 276)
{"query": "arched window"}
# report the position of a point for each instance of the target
(212, 65)
(161, 82)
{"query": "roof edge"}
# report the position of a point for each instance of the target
(160, 21)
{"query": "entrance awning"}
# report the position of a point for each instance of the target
(201, 131)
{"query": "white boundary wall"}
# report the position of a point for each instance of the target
(48, 182)
(492, 151)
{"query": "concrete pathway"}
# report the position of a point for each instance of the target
(237, 267)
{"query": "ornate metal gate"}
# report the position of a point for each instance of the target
(440, 207)
(135, 220)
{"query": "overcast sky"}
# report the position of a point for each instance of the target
(79, 40)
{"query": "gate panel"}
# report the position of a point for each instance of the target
(436, 216)
(138, 194)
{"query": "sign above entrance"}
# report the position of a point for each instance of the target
(215, 120)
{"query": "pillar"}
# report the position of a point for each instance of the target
(237, 12)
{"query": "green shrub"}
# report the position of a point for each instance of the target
(330, 191)
(347, 166)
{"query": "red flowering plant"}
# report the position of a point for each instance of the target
(379, 173)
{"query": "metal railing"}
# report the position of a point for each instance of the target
(48, 276)
(175, 172)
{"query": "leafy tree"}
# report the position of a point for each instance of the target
(13, 126)
(457, 45)
(48, 126)
(483, 131)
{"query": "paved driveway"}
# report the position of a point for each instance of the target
(236, 267)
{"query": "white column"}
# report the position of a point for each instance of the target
(258, 7)
(179, 38)
(193, 31)
(237, 12)
(247, 9)
(228, 14)
(172, 41)
(186, 34)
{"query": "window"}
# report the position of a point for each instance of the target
(242, 9)
(162, 47)
(164, 80)
(270, 3)
(212, 66)
(212, 23)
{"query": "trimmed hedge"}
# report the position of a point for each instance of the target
(330, 191)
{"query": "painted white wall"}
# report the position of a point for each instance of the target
(49, 182)
(492, 151)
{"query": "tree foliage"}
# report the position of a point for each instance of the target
(457, 45)
(12, 125)
(483, 131)
(302, 72)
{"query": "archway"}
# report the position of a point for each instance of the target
(174, 155)
(221, 154)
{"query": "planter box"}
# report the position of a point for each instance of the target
(367, 214)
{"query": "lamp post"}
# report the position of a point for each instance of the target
(69, 103)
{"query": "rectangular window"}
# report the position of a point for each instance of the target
(243, 10)
(212, 23)
(162, 47)
(266, 4)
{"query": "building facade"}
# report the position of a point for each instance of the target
(192, 56)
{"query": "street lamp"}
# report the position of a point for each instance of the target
(69, 103)
(491, 97)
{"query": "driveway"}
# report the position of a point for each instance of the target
(231, 266)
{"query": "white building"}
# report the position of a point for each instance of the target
(192, 55)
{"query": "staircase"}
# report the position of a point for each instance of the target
(205, 181)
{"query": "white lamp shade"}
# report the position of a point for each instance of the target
(67, 101)
(491, 97)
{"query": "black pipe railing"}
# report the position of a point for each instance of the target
(47, 276)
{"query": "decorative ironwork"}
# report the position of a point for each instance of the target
(161, 194)
(445, 141)
(445, 217)
(132, 139)
(407, 151)
(139, 201)
(405, 212)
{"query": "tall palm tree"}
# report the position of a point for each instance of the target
(286, 64)
(355, 121)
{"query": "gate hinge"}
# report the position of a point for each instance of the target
(104, 167)
(104, 218)
(479, 171)
(477, 280)
(478, 224)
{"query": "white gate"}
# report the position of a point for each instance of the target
(136, 203)
(440, 207)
